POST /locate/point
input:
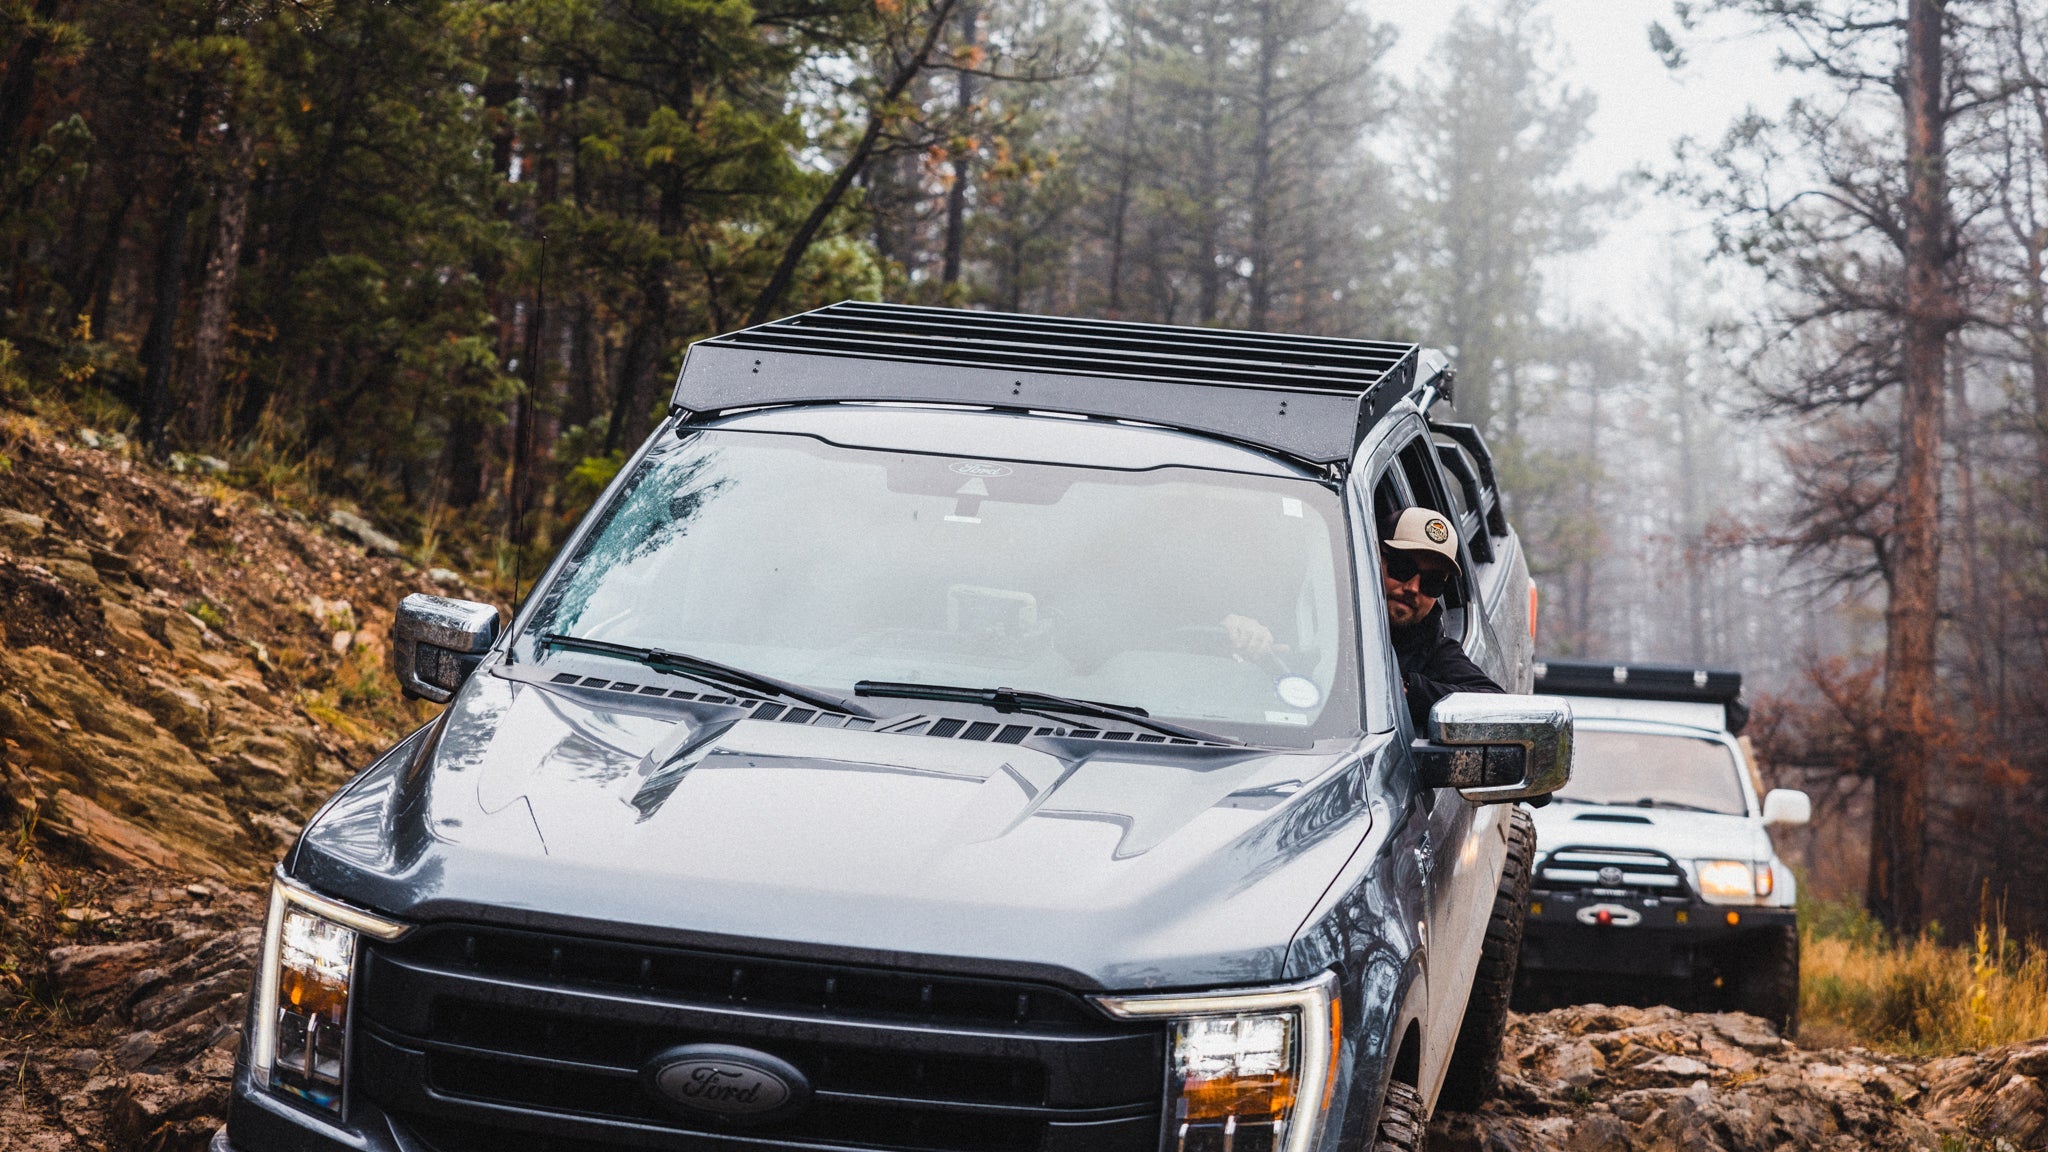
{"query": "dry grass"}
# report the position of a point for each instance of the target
(1921, 997)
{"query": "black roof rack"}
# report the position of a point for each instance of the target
(1310, 397)
(1721, 686)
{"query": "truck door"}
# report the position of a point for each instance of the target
(1461, 855)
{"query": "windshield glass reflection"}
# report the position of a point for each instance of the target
(827, 565)
(1633, 768)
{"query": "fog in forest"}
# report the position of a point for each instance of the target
(1747, 297)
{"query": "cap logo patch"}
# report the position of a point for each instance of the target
(1437, 531)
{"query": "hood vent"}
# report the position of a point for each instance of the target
(920, 724)
(1615, 818)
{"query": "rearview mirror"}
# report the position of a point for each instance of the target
(1787, 808)
(437, 642)
(1495, 749)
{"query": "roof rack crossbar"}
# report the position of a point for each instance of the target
(1312, 398)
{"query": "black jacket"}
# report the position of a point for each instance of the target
(1433, 666)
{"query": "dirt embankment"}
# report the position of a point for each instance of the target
(185, 671)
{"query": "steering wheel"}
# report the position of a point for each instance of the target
(1214, 640)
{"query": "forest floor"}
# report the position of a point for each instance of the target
(186, 671)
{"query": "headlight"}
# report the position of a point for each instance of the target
(1251, 1071)
(1725, 880)
(298, 1044)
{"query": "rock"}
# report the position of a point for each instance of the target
(444, 577)
(79, 572)
(106, 835)
(1576, 1065)
(365, 532)
(1683, 1066)
(1600, 1132)
(135, 1051)
(2018, 1112)
(20, 527)
(82, 970)
(148, 1110)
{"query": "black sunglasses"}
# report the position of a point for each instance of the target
(1401, 567)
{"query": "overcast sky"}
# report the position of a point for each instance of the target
(1605, 48)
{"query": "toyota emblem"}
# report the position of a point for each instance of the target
(1610, 875)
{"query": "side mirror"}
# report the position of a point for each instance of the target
(1495, 749)
(437, 642)
(1787, 808)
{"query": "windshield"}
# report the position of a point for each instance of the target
(827, 565)
(1632, 767)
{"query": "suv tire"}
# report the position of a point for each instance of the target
(1474, 1072)
(1403, 1127)
(1769, 984)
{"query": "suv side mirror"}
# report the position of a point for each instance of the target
(437, 642)
(1495, 749)
(1787, 808)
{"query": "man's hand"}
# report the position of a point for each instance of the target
(1249, 638)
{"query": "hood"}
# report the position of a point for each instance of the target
(1097, 864)
(1685, 836)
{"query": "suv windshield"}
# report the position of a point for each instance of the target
(1633, 767)
(827, 565)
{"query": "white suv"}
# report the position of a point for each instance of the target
(1656, 876)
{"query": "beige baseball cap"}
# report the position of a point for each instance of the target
(1425, 530)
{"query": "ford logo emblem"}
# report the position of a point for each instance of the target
(977, 468)
(726, 1082)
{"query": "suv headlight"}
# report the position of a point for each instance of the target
(1251, 1071)
(298, 1043)
(1732, 881)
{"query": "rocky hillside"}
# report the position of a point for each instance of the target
(1597, 1079)
(185, 671)
(186, 668)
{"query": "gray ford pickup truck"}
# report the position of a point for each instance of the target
(952, 732)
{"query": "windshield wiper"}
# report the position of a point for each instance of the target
(1022, 700)
(707, 671)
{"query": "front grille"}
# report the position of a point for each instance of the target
(1612, 871)
(481, 1038)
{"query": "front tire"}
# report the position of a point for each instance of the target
(1769, 984)
(1474, 1072)
(1403, 1127)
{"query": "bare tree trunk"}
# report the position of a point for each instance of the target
(956, 196)
(907, 69)
(1899, 816)
(159, 345)
(217, 293)
(1208, 180)
(1121, 205)
(1691, 547)
(1261, 280)
(17, 84)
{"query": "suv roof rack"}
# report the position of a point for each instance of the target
(1309, 397)
(1721, 686)
(1637, 681)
